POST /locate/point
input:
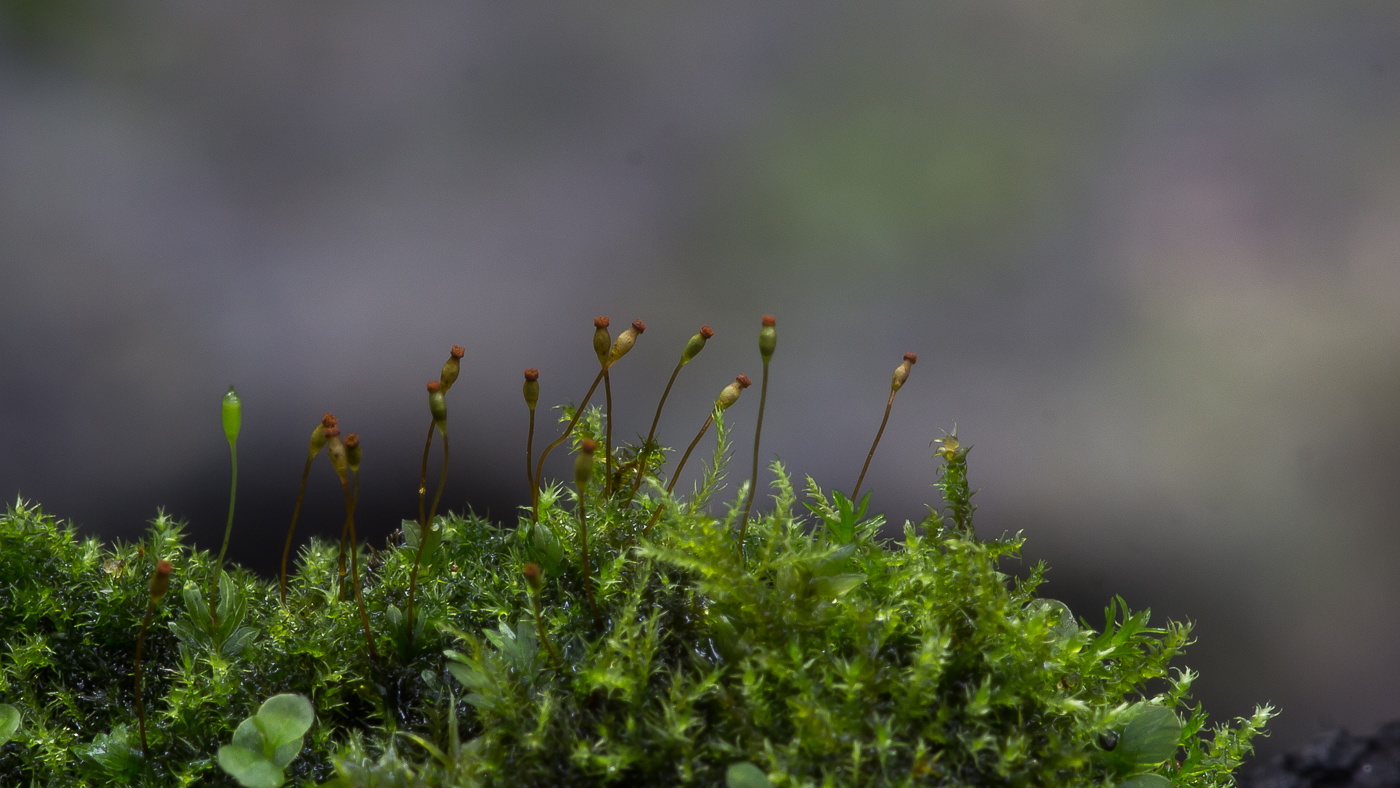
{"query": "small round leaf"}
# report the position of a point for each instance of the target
(287, 753)
(284, 718)
(1151, 737)
(248, 736)
(249, 768)
(745, 775)
(9, 722)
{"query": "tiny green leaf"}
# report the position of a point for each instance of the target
(548, 550)
(118, 753)
(249, 768)
(9, 722)
(197, 607)
(745, 775)
(285, 718)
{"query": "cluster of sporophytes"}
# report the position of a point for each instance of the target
(619, 633)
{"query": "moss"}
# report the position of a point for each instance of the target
(818, 651)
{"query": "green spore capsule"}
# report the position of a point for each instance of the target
(532, 387)
(625, 341)
(730, 395)
(233, 415)
(534, 578)
(602, 340)
(901, 372)
(352, 452)
(160, 581)
(583, 463)
(696, 344)
(318, 436)
(452, 368)
(768, 337)
(437, 405)
(335, 450)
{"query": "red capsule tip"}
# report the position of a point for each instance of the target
(352, 440)
(329, 421)
(706, 332)
(601, 322)
(770, 321)
(458, 351)
(589, 446)
(639, 326)
(164, 568)
(532, 571)
(532, 374)
(434, 385)
(912, 358)
(333, 432)
(743, 381)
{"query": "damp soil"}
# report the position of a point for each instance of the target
(1337, 759)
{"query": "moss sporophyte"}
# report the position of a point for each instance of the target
(610, 636)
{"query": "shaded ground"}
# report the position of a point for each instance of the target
(1337, 759)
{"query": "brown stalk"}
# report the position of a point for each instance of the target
(287, 548)
(351, 499)
(676, 474)
(160, 582)
(583, 471)
(651, 434)
(901, 374)
(692, 349)
(758, 431)
(727, 397)
(423, 527)
(539, 465)
(607, 434)
(534, 583)
(767, 340)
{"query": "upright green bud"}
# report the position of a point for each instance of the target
(452, 368)
(233, 415)
(901, 372)
(352, 451)
(534, 577)
(730, 395)
(532, 387)
(583, 464)
(160, 581)
(437, 405)
(625, 341)
(768, 336)
(948, 445)
(602, 340)
(318, 435)
(335, 449)
(696, 344)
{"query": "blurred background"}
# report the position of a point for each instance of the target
(1149, 257)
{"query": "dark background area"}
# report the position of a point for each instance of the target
(1147, 256)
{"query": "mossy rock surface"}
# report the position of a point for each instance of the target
(818, 652)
